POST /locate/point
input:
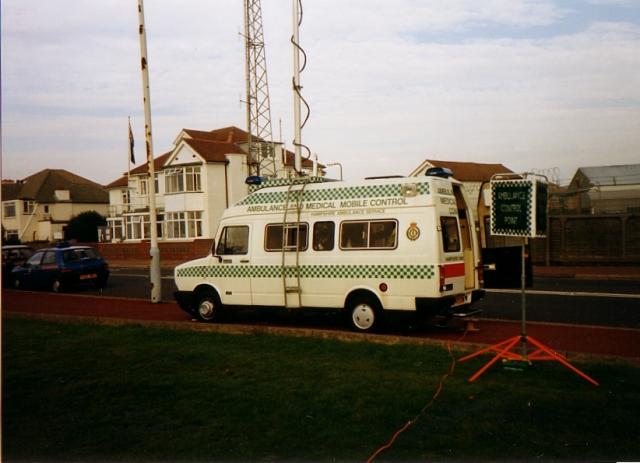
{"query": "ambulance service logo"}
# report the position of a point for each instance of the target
(413, 232)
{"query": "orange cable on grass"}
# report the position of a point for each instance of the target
(412, 421)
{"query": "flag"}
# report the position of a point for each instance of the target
(133, 158)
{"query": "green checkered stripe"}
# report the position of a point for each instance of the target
(392, 272)
(330, 194)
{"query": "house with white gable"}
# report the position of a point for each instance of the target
(195, 182)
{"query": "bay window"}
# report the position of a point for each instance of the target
(183, 224)
(182, 179)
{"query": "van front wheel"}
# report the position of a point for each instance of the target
(208, 308)
(364, 314)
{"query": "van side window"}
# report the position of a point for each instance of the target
(323, 236)
(275, 236)
(374, 234)
(354, 235)
(382, 234)
(233, 240)
(450, 237)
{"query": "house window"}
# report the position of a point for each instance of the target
(146, 227)
(134, 231)
(143, 187)
(369, 234)
(138, 227)
(183, 224)
(159, 224)
(194, 224)
(9, 209)
(192, 175)
(116, 229)
(179, 179)
(28, 206)
(156, 183)
(173, 181)
(46, 209)
(176, 225)
(12, 235)
(125, 197)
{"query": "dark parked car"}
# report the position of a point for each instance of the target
(61, 268)
(12, 255)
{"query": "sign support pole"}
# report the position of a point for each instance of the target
(523, 305)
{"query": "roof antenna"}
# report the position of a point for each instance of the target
(297, 97)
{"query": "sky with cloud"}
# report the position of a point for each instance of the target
(545, 85)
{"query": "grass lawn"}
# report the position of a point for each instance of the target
(96, 393)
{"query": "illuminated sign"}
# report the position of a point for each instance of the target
(519, 208)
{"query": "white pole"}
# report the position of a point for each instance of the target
(128, 166)
(154, 250)
(247, 57)
(297, 139)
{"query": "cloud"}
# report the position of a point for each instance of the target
(389, 83)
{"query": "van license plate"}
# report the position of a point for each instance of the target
(88, 276)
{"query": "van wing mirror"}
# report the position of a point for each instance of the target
(213, 251)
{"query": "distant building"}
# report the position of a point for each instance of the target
(39, 207)
(604, 190)
(195, 182)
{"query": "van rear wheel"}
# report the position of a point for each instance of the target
(208, 306)
(364, 314)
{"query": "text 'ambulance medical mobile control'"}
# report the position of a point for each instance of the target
(369, 247)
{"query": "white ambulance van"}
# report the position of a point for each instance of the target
(370, 247)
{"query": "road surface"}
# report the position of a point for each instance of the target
(558, 300)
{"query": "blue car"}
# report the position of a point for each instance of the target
(61, 268)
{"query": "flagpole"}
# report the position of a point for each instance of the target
(154, 250)
(129, 153)
(129, 162)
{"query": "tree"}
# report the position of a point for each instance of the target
(84, 227)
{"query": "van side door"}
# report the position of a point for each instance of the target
(234, 276)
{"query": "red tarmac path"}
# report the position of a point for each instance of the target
(594, 340)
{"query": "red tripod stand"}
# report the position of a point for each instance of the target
(504, 351)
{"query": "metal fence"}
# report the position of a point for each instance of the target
(603, 238)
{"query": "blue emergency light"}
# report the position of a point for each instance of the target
(254, 180)
(443, 172)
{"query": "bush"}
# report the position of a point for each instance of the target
(84, 227)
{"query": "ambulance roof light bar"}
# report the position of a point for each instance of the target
(254, 180)
(443, 172)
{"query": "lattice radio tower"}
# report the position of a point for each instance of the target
(261, 147)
